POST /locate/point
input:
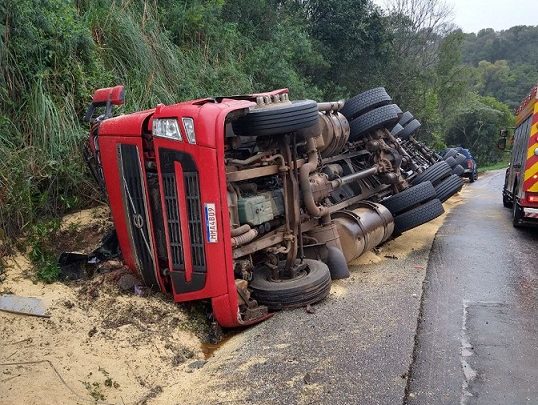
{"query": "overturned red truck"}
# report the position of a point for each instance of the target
(256, 202)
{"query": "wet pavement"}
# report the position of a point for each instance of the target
(355, 348)
(477, 340)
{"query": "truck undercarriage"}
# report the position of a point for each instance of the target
(256, 202)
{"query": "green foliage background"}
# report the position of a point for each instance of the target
(54, 53)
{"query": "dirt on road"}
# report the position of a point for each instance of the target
(101, 345)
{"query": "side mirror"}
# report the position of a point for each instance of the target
(501, 144)
(106, 97)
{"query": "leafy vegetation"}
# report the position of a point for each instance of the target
(504, 62)
(54, 53)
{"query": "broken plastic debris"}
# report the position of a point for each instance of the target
(23, 305)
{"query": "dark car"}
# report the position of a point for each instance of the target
(462, 157)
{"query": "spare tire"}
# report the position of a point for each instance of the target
(458, 170)
(409, 198)
(448, 187)
(410, 129)
(417, 216)
(311, 285)
(279, 119)
(435, 173)
(405, 118)
(380, 117)
(451, 162)
(365, 102)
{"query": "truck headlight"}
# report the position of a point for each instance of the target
(188, 125)
(166, 128)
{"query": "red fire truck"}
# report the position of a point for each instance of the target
(256, 202)
(520, 191)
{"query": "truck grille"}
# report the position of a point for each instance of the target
(134, 200)
(172, 209)
(191, 199)
(192, 194)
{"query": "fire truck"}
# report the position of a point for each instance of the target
(256, 202)
(520, 190)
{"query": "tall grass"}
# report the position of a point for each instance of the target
(53, 54)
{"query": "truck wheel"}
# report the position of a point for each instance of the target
(276, 120)
(448, 187)
(365, 102)
(409, 198)
(435, 173)
(310, 286)
(507, 203)
(380, 117)
(396, 130)
(410, 129)
(417, 216)
(451, 162)
(405, 118)
(450, 153)
(517, 214)
(458, 170)
(460, 159)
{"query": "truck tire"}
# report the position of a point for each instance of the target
(435, 173)
(407, 199)
(507, 203)
(380, 117)
(458, 170)
(417, 216)
(309, 287)
(410, 129)
(448, 187)
(517, 214)
(450, 153)
(276, 120)
(365, 102)
(460, 159)
(396, 130)
(451, 162)
(405, 118)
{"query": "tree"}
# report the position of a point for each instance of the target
(476, 126)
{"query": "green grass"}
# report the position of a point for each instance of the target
(495, 166)
(41, 251)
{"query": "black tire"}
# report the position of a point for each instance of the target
(507, 203)
(396, 130)
(435, 173)
(418, 216)
(380, 117)
(311, 286)
(517, 214)
(458, 170)
(365, 102)
(409, 198)
(473, 176)
(276, 120)
(410, 129)
(451, 161)
(450, 153)
(460, 159)
(448, 187)
(405, 118)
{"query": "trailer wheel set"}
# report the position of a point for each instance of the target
(257, 202)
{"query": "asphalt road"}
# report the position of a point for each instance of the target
(477, 340)
(355, 349)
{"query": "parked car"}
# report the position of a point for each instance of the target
(462, 157)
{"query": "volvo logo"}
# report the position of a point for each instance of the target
(138, 221)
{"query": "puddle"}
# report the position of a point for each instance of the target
(208, 349)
